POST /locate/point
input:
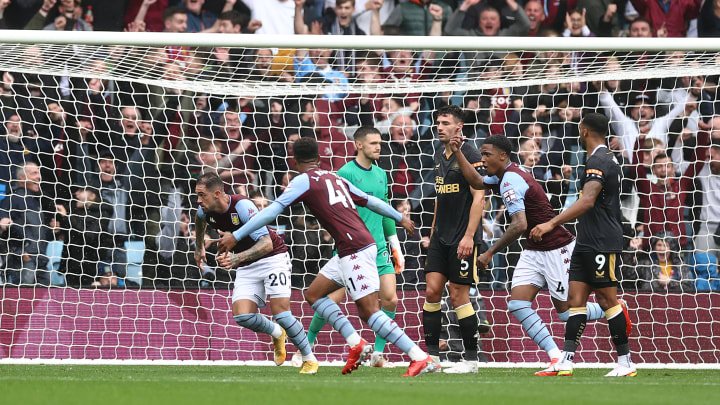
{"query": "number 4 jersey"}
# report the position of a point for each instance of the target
(332, 200)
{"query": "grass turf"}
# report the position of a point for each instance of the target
(156, 385)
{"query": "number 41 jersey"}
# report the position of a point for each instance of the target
(332, 201)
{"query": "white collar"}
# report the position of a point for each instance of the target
(596, 148)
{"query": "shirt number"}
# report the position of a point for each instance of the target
(339, 194)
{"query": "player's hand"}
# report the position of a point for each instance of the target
(398, 257)
(226, 242)
(465, 247)
(539, 230)
(407, 223)
(228, 260)
(200, 257)
(483, 261)
(456, 142)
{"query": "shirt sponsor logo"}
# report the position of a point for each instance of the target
(442, 188)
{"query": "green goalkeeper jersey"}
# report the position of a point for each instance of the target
(374, 182)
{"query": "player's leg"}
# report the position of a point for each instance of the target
(554, 268)
(246, 315)
(468, 323)
(388, 304)
(247, 289)
(363, 284)
(578, 293)
(436, 269)
(617, 324)
(318, 322)
(277, 286)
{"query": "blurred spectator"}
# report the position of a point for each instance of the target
(58, 18)
(641, 28)
(3, 6)
(709, 19)
(664, 267)
(148, 15)
(400, 157)
(489, 22)
(365, 10)
(706, 272)
(576, 25)
(600, 16)
(414, 18)
(201, 20)
(24, 220)
(85, 222)
(175, 20)
(11, 145)
(536, 16)
(669, 18)
(272, 16)
(708, 238)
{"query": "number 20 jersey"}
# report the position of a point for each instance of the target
(329, 198)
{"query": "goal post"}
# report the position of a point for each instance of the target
(120, 124)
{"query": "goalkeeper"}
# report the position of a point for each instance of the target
(373, 180)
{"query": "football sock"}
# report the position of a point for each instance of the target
(315, 327)
(468, 330)
(329, 310)
(258, 323)
(594, 312)
(432, 325)
(574, 328)
(617, 325)
(388, 329)
(379, 340)
(295, 332)
(534, 326)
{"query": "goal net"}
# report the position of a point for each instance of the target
(103, 137)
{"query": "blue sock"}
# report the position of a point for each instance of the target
(329, 310)
(255, 322)
(594, 312)
(390, 331)
(294, 330)
(533, 325)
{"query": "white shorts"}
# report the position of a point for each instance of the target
(269, 276)
(545, 268)
(356, 272)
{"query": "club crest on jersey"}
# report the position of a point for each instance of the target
(235, 218)
(211, 220)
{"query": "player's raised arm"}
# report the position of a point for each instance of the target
(379, 206)
(590, 193)
(468, 170)
(297, 187)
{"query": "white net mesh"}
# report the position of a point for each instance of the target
(101, 145)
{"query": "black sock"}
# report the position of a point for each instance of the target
(432, 324)
(617, 325)
(468, 330)
(574, 328)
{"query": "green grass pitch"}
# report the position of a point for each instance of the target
(156, 385)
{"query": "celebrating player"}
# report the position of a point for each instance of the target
(453, 240)
(599, 241)
(541, 263)
(263, 268)
(332, 200)
(371, 179)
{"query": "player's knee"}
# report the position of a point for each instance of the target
(310, 298)
(514, 305)
(244, 319)
(390, 303)
(458, 297)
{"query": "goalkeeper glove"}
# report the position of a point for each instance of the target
(397, 254)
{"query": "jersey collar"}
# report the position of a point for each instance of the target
(360, 166)
(596, 148)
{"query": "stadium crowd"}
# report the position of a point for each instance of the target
(97, 164)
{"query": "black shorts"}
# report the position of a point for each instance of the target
(443, 259)
(594, 268)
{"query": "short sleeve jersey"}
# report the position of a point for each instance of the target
(454, 197)
(332, 200)
(521, 192)
(600, 229)
(239, 211)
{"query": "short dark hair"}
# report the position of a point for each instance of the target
(364, 131)
(499, 141)
(171, 11)
(233, 16)
(305, 149)
(341, 2)
(453, 110)
(660, 156)
(211, 181)
(597, 123)
(641, 20)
